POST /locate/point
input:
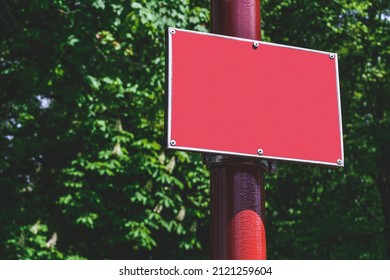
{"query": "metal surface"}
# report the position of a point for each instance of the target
(211, 160)
(237, 210)
(240, 18)
(260, 151)
(250, 41)
(293, 92)
(237, 184)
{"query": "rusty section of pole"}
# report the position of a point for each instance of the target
(237, 208)
(237, 184)
(239, 18)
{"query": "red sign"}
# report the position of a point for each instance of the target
(250, 98)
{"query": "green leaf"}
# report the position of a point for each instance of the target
(93, 82)
(99, 4)
(72, 40)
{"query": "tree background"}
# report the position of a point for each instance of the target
(83, 171)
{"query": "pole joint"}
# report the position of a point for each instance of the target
(211, 160)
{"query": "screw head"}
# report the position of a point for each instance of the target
(260, 152)
(256, 45)
(332, 56)
(172, 31)
(339, 162)
(172, 142)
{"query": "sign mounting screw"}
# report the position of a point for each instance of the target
(260, 152)
(172, 142)
(172, 31)
(332, 56)
(339, 162)
(256, 45)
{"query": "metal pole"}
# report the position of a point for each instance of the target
(237, 184)
(239, 18)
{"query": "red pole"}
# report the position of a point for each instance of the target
(239, 18)
(237, 184)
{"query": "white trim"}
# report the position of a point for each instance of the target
(251, 41)
(169, 118)
(254, 156)
(339, 110)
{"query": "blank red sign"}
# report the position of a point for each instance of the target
(242, 97)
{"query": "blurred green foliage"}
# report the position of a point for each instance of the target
(83, 171)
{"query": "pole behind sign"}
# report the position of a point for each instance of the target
(237, 184)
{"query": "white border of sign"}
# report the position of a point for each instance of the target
(168, 118)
